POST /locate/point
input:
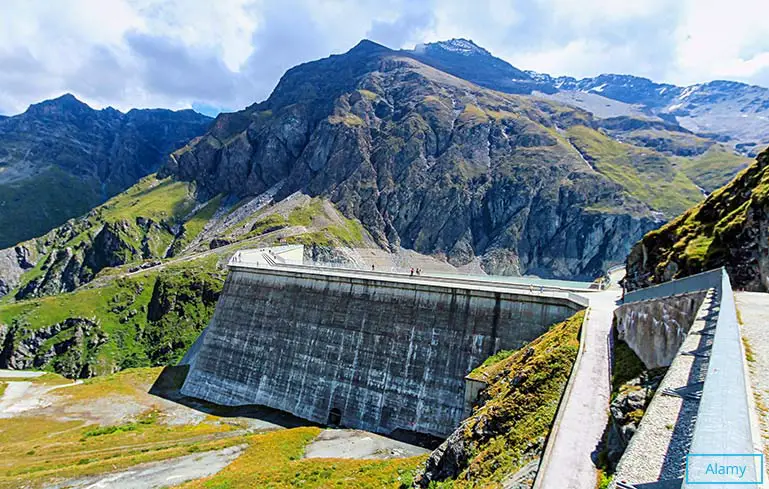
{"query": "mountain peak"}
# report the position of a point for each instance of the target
(368, 46)
(460, 45)
(63, 104)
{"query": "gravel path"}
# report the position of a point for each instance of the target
(571, 461)
(359, 445)
(14, 392)
(159, 474)
(754, 313)
(19, 374)
(21, 396)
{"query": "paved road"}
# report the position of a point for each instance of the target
(570, 465)
(754, 312)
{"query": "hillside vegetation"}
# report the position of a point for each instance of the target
(139, 224)
(150, 318)
(132, 283)
(714, 168)
(508, 427)
(728, 229)
(647, 175)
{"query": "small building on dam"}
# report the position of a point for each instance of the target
(382, 352)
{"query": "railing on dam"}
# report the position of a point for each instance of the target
(264, 259)
(701, 281)
(722, 428)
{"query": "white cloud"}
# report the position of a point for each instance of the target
(717, 39)
(588, 12)
(229, 53)
(225, 26)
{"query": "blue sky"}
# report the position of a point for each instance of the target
(226, 54)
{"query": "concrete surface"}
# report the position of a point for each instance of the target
(584, 419)
(657, 450)
(158, 474)
(655, 329)
(388, 354)
(357, 444)
(753, 308)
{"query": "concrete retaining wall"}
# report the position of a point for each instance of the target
(386, 355)
(655, 329)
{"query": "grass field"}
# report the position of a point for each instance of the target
(66, 440)
(645, 174)
(274, 460)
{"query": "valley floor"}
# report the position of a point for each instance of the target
(111, 432)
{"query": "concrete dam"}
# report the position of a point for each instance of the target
(381, 352)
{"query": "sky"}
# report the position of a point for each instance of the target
(226, 54)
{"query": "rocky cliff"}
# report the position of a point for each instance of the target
(730, 229)
(427, 161)
(60, 158)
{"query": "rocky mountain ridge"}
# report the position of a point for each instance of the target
(431, 162)
(729, 229)
(352, 155)
(87, 155)
(727, 111)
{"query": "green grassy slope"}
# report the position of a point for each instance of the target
(645, 174)
(56, 195)
(138, 224)
(724, 230)
(713, 169)
(119, 316)
(149, 318)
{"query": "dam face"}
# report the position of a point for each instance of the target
(374, 354)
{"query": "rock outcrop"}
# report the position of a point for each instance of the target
(13, 263)
(425, 161)
(69, 347)
(729, 229)
(626, 411)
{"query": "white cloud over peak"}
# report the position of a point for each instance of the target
(230, 53)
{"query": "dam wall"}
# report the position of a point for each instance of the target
(378, 354)
(656, 328)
